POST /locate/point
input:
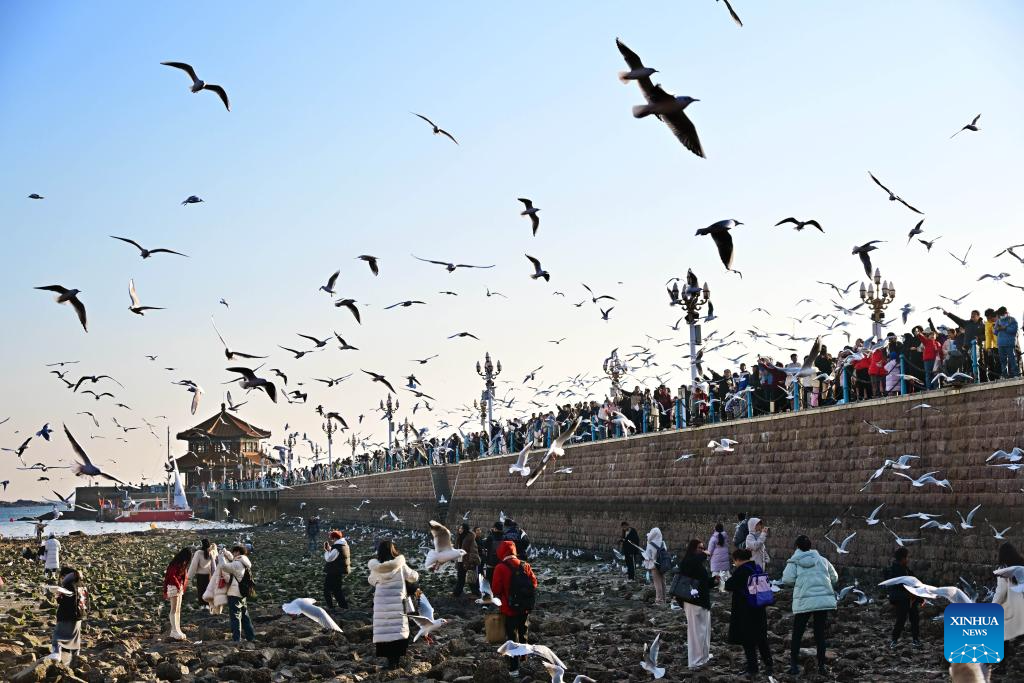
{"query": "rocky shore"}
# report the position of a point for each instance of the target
(587, 613)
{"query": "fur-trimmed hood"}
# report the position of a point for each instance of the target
(386, 568)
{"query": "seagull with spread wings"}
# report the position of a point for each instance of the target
(65, 296)
(228, 353)
(85, 467)
(893, 197)
(442, 551)
(538, 272)
(381, 379)
(530, 211)
(199, 85)
(972, 126)
(437, 130)
(136, 306)
(800, 225)
(249, 380)
(723, 240)
(863, 251)
(450, 267)
(146, 253)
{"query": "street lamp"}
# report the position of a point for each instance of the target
(693, 298)
(329, 429)
(290, 442)
(877, 295)
(488, 372)
(615, 369)
(389, 412)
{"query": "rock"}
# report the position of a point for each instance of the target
(153, 657)
(492, 671)
(171, 671)
(33, 674)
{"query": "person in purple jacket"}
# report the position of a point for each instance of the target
(718, 549)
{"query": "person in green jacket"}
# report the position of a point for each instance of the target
(813, 579)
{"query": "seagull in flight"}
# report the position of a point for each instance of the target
(800, 225)
(594, 298)
(371, 261)
(956, 302)
(972, 126)
(923, 590)
(732, 13)
(637, 70)
(450, 267)
(841, 547)
(381, 379)
(228, 353)
(136, 306)
(423, 361)
(839, 290)
(928, 245)
(146, 253)
(538, 272)
(64, 296)
(963, 261)
(198, 85)
(926, 478)
(345, 346)
(329, 287)
(350, 304)
(893, 197)
(437, 130)
(191, 199)
(723, 240)
(530, 211)
(464, 334)
(249, 380)
(916, 230)
(670, 110)
(85, 467)
(880, 430)
(403, 304)
(864, 252)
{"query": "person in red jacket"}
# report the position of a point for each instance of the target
(931, 353)
(862, 372)
(877, 372)
(175, 580)
(517, 623)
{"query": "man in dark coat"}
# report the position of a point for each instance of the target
(748, 626)
(630, 548)
(489, 552)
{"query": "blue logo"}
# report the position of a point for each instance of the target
(973, 632)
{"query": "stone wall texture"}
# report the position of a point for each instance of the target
(798, 471)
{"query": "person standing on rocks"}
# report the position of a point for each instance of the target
(748, 625)
(312, 531)
(467, 563)
(52, 563)
(742, 529)
(698, 605)
(515, 583)
(389, 575)
(813, 579)
(1011, 600)
(654, 562)
(71, 606)
(201, 568)
(235, 567)
(175, 581)
(514, 533)
(337, 565)
(756, 542)
(718, 549)
(491, 544)
(905, 604)
(630, 549)
(40, 528)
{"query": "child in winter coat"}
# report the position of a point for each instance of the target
(71, 605)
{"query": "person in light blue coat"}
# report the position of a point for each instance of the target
(813, 579)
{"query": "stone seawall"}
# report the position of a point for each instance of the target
(797, 471)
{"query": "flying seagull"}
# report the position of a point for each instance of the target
(305, 607)
(972, 126)
(442, 551)
(637, 70)
(723, 240)
(865, 258)
(136, 307)
(917, 230)
(425, 619)
(198, 85)
(670, 110)
(329, 287)
(800, 225)
(228, 353)
(85, 467)
(961, 261)
(450, 267)
(732, 13)
(650, 660)
(350, 304)
(146, 253)
(372, 262)
(464, 334)
(65, 295)
(403, 304)
(381, 379)
(191, 199)
(530, 211)
(928, 244)
(437, 130)
(538, 272)
(893, 197)
(36, 196)
(249, 380)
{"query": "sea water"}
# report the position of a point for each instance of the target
(61, 527)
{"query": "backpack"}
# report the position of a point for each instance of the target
(663, 560)
(759, 589)
(247, 587)
(522, 594)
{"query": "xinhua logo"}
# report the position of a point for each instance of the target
(973, 632)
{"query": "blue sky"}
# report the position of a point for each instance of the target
(320, 160)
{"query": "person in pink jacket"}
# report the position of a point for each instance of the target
(718, 550)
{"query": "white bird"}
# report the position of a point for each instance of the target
(1015, 572)
(879, 430)
(558, 674)
(841, 548)
(872, 519)
(902, 463)
(486, 594)
(199, 85)
(998, 535)
(969, 522)
(531, 211)
(932, 524)
(900, 541)
(624, 423)
(723, 446)
(637, 70)
(563, 470)
(557, 444)
(1013, 456)
(520, 465)
(514, 649)
(442, 551)
(395, 519)
(926, 478)
(924, 516)
(650, 660)
(425, 619)
(922, 590)
(306, 607)
(684, 456)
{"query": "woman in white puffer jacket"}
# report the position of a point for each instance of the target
(389, 575)
(216, 593)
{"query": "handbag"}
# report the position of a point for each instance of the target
(685, 588)
(494, 628)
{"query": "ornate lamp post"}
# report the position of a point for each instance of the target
(389, 409)
(488, 372)
(694, 298)
(615, 369)
(329, 429)
(877, 295)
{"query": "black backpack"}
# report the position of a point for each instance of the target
(247, 587)
(522, 594)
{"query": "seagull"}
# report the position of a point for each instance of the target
(892, 195)
(403, 304)
(723, 446)
(320, 343)
(450, 267)
(464, 334)
(800, 225)
(900, 541)
(593, 297)
(146, 253)
(958, 300)
(381, 379)
(350, 304)
(841, 547)
(932, 524)
(65, 295)
(732, 13)
(972, 126)
(45, 431)
(306, 607)
(228, 353)
(513, 649)
(232, 406)
(198, 85)
(530, 211)
(425, 619)
(371, 261)
(723, 240)
(520, 465)
(249, 380)
(1013, 456)
(880, 430)
(136, 307)
(928, 244)
(224, 303)
(442, 551)
(998, 535)
(923, 590)
(924, 406)
(872, 519)
(437, 131)
(558, 674)
(538, 272)
(839, 290)
(863, 251)
(650, 660)
(36, 196)
(962, 261)
(637, 70)
(86, 468)
(329, 287)
(916, 230)
(423, 361)
(195, 390)
(926, 479)
(684, 456)
(191, 199)
(486, 594)
(998, 277)
(906, 311)
(969, 522)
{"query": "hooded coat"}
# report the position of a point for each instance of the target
(654, 543)
(52, 553)
(201, 564)
(1013, 608)
(388, 579)
(747, 624)
(755, 543)
(216, 593)
(501, 583)
(812, 577)
(233, 570)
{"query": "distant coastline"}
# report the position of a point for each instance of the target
(22, 504)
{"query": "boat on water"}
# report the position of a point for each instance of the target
(174, 508)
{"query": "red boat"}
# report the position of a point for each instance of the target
(174, 509)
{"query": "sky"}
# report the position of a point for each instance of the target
(321, 160)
